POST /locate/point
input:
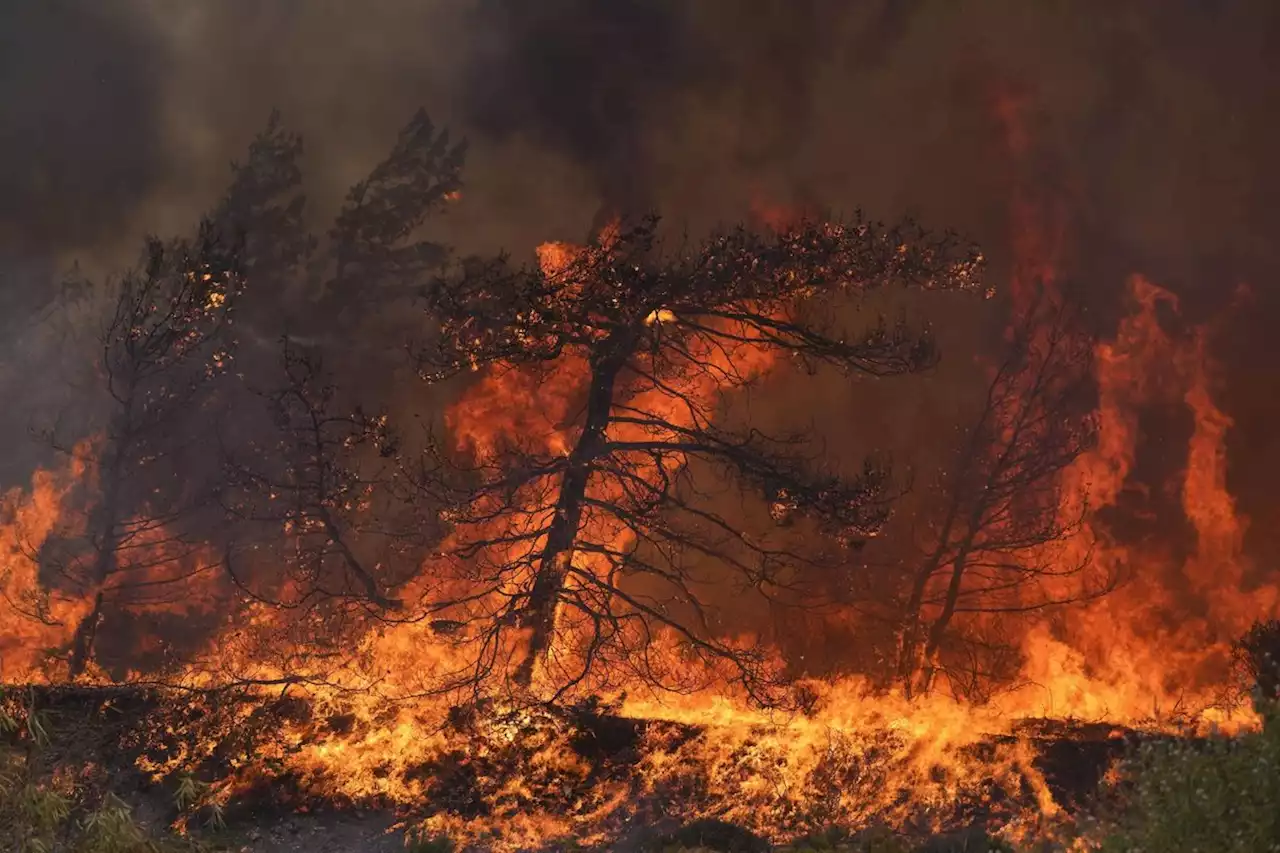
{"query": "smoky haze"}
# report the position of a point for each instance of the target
(1153, 122)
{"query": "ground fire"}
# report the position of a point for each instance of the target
(551, 610)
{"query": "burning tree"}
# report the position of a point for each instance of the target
(164, 344)
(588, 536)
(162, 362)
(1006, 539)
(314, 484)
(164, 348)
(319, 531)
(315, 470)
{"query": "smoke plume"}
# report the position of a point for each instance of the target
(1151, 123)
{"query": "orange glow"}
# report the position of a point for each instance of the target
(27, 520)
(1153, 648)
(778, 218)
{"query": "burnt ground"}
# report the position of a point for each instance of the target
(110, 730)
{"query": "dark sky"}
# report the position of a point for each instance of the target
(1157, 122)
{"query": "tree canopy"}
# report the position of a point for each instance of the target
(589, 541)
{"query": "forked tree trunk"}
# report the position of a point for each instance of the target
(911, 641)
(918, 650)
(910, 659)
(927, 664)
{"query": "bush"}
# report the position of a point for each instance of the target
(1258, 653)
(30, 816)
(38, 816)
(1221, 795)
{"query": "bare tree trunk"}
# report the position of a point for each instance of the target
(928, 660)
(105, 562)
(909, 658)
(557, 554)
(367, 581)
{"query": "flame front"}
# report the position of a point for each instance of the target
(1155, 647)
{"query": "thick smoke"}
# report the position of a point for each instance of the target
(1152, 121)
(80, 145)
(585, 79)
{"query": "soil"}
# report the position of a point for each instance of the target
(317, 834)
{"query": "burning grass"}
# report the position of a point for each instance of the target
(522, 779)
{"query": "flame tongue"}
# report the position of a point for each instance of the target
(1142, 650)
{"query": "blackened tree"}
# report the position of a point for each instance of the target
(168, 341)
(327, 509)
(164, 351)
(320, 530)
(165, 342)
(1003, 538)
(591, 547)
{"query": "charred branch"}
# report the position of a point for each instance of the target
(322, 485)
(597, 550)
(1001, 543)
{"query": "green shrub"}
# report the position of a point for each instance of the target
(30, 815)
(1217, 796)
(37, 817)
(192, 796)
(110, 828)
(1221, 797)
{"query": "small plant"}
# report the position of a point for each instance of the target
(31, 720)
(193, 795)
(187, 792)
(32, 815)
(111, 829)
(426, 842)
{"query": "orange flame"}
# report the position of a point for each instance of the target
(1144, 651)
(37, 620)
(1138, 652)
